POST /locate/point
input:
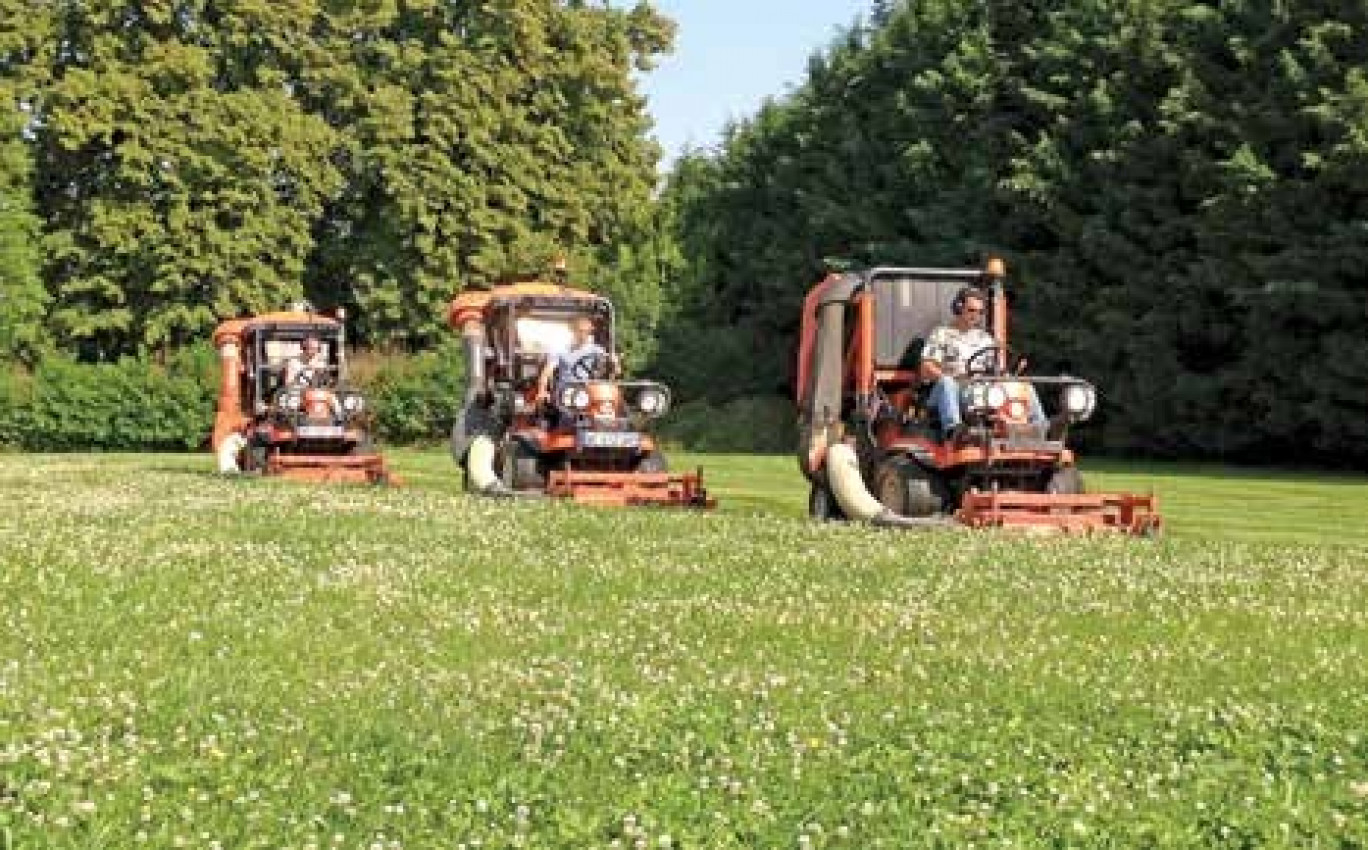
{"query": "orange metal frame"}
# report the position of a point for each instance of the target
(333, 469)
(631, 488)
(1073, 514)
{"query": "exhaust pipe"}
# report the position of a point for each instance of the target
(847, 485)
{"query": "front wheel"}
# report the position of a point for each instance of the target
(1065, 481)
(521, 469)
(653, 462)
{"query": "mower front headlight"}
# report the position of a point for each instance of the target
(352, 404)
(652, 402)
(290, 400)
(997, 396)
(574, 398)
(978, 398)
(1079, 400)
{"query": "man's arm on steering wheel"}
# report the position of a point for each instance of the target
(544, 378)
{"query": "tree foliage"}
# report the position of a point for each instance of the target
(194, 159)
(22, 296)
(1181, 190)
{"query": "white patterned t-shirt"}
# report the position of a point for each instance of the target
(951, 347)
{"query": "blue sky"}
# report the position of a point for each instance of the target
(729, 56)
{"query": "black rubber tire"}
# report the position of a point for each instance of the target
(907, 489)
(519, 468)
(252, 458)
(1065, 481)
(822, 505)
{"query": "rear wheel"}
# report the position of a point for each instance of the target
(822, 504)
(905, 488)
(252, 457)
(1065, 481)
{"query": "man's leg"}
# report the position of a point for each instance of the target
(945, 399)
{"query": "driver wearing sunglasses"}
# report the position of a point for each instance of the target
(947, 351)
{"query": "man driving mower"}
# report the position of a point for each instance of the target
(584, 360)
(308, 368)
(949, 353)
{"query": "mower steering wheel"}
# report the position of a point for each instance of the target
(983, 362)
(315, 378)
(590, 367)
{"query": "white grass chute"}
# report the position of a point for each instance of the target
(227, 453)
(480, 466)
(857, 503)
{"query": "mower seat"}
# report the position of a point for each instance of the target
(272, 379)
(526, 369)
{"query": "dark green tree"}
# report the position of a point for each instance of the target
(1178, 187)
(22, 296)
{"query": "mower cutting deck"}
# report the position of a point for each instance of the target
(332, 469)
(631, 488)
(1073, 514)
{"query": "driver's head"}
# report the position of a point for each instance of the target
(973, 304)
(309, 347)
(582, 329)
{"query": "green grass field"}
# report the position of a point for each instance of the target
(189, 661)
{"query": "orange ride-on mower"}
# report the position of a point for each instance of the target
(590, 441)
(278, 417)
(872, 447)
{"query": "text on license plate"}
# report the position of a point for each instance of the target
(318, 431)
(609, 439)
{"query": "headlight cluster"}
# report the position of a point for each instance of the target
(353, 403)
(653, 402)
(290, 400)
(1078, 401)
(574, 398)
(984, 397)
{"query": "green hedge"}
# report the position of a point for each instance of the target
(132, 404)
(751, 425)
(414, 398)
(136, 404)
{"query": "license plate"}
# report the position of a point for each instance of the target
(318, 432)
(609, 440)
